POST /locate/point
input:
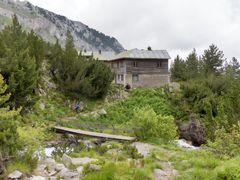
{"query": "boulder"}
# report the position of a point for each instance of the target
(59, 167)
(42, 106)
(95, 167)
(102, 112)
(89, 144)
(192, 131)
(70, 175)
(143, 148)
(42, 169)
(15, 175)
(51, 163)
(38, 178)
(66, 159)
(160, 175)
(80, 170)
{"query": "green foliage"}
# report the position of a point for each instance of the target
(108, 173)
(208, 99)
(212, 60)
(122, 111)
(8, 128)
(227, 143)
(178, 69)
(211, 63)
(77, 75)
(147, 124)
(228, 170)
(21, 60)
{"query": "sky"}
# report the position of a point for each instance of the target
(175, 25)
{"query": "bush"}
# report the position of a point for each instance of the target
(229, 170)
(227, 143)
(147, 124)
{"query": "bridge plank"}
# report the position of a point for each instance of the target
(93, 134)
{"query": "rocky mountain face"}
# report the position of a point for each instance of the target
(51, 26)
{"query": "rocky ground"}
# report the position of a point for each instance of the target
(67, 167)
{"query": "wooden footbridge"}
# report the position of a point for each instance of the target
(105, 136)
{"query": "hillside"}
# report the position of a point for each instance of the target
(51, 26)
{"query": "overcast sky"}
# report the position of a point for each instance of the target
(175, 25)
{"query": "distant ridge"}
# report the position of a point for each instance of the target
(50, 26)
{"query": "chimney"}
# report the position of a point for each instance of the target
(149, 48)
(100, 51)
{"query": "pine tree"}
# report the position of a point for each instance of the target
(178, 69)
(233, 68)
(8, 128)
(212, 60)
(36, 48)
(192, 65)
(17, 66)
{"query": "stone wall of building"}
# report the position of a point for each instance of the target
(151, 80)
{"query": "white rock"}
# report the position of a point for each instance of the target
(15, 175)
(95, 167)
(42, 106)
(59, 167)
(51, 163)
(102, 112)
(70, 175)
(80, 170)
(143, 148)
(38, 178)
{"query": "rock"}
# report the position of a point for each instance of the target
(166, 173)
(70, 175)
(53, 178)
(80, 170)
(15, 175)
(42, 106)
(66, 159)
(38, 178)
(59, 167)
(95, 167)
(102, 112)
(143, 148)
(192, 131)
(89, 144)
(51, 164)
(160, 175)
(53, 173)
(82, 161)
(95, 114)
(173, 87)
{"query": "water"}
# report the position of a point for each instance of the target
(184, 144)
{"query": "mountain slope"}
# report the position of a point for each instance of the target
(51, 26)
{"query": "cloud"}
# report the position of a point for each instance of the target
(175, 25)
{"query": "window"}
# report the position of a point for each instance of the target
(117, 64)
(159, 64)
(135, 77)
(122, 77)
(118, 77)
(135, 64)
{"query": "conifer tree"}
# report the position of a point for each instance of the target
(212, 60)
(192, 65)
(8, 128)
(17, 66)
(178, 69)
